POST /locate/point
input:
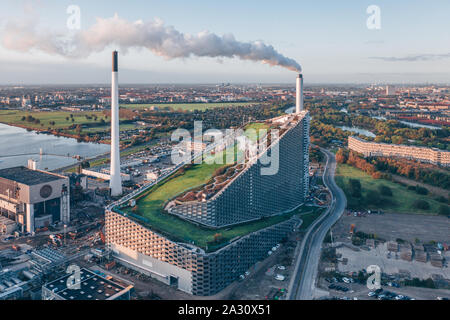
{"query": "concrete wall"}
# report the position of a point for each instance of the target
(155, 268)
(31, 194)
(104, 176)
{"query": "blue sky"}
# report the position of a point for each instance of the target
(328, 38)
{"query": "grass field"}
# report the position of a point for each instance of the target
(187, 106)
(14, 117)
(402, 200)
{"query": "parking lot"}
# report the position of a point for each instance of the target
(403, 277)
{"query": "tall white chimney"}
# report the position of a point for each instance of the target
(115, 182)
(299, 94)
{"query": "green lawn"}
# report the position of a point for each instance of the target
(178, 229)
(14, 117)
(255, 126)
(193, 177)
(402, 199)
(188, 106)
(107, 127)
(310, 217)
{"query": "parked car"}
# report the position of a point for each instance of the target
(378, 291)
(279, 277)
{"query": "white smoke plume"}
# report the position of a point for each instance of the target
(155, 36)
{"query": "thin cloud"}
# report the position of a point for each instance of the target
(413, 58)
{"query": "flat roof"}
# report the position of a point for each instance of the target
(93, 287)
(27, 176)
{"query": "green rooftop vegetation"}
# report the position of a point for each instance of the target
(187, 178)
(208, 239)
(149, 206)
(255, 126)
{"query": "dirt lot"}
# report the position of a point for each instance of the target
(391, 226)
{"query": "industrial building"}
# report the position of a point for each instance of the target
(11, 287)
(423, 154)
(32, 199)
(247, 198)
(93, 286)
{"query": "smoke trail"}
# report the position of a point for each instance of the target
(160, 39)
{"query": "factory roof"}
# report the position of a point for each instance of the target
(27, 176)
(94, 286)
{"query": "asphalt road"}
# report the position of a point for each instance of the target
(307, 262)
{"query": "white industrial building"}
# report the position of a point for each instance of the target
(32, 199)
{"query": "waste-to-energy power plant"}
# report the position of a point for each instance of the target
(115, 183)
(33, 198)
(203, 239)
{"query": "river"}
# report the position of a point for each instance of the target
(411, 124)
(15, 142)
(367, 133)
(364, 132)
(290, 110)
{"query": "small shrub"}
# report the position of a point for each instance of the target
(385, 190)
(444, 210)
(421, 190)
(421, 204)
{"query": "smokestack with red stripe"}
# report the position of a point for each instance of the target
(299, 94)
(115, 182)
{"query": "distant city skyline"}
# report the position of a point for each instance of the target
(332, 42)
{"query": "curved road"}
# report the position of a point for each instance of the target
(307, 262)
